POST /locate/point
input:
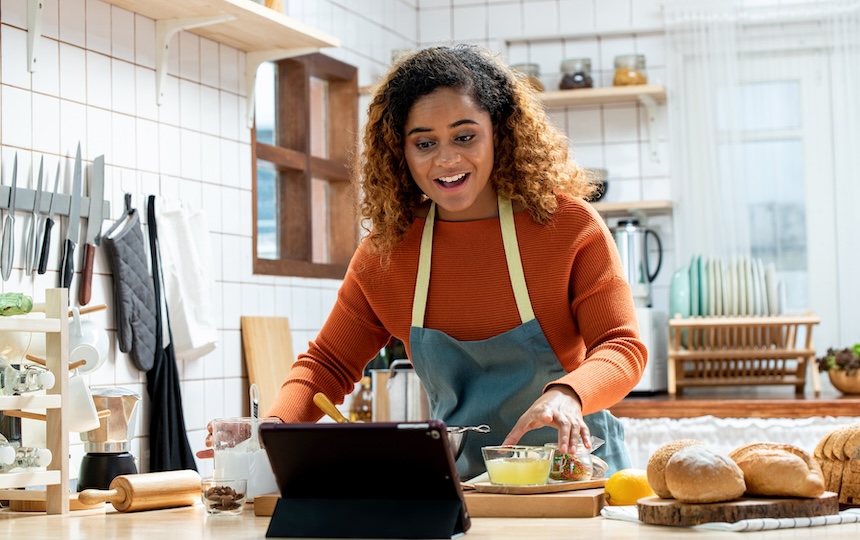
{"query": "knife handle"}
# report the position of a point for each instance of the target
(68, 264)
(46, 247)
(86, 286)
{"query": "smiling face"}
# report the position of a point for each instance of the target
(448, 143)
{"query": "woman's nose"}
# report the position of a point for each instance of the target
(447, 155)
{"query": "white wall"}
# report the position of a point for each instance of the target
(96, 83)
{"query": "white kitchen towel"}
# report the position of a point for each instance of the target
(183, 236)
(852, 515)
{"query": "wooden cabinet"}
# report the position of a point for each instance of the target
(56, 478)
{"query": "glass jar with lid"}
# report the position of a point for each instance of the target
(532, 74)
(576, 73)
(630, 70)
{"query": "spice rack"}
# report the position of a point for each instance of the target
(56, 478)
(736, 351)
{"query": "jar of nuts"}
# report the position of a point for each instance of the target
(532, 74)
(223, 496)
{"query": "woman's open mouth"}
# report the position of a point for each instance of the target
(452, 181)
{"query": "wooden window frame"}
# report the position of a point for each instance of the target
(297, 168)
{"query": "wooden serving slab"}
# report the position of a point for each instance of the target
(581, 503)
(657, 511)
(551, 487)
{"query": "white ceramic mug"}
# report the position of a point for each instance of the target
(84, 332)
(82, 414)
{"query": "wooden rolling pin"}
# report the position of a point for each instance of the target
(147, 491)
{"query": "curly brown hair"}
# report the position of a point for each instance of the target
(531, 163)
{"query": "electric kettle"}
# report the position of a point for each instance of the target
(632, 242)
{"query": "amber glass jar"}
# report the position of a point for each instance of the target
(630, 70)
(576, 73)
(532, 73)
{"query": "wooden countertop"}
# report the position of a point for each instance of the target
(192, 523)
(739, 402)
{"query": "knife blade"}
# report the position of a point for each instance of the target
(94, 228)
(32, 249)
(49, 223)
(68, 264)
(7, 250)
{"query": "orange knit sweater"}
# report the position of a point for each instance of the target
(575, 282)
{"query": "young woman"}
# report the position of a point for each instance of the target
(485, 260)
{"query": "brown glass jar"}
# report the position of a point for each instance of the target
(576, 73)
(630, 70)
(532, 73)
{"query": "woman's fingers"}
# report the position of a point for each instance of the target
(558, 407)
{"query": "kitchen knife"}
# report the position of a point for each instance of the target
(49, 223)
(94, 228)
(7, 250)
(67, 268)
(32, 249)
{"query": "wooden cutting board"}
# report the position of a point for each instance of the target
(268, 347)
(657, 511)
(551, 487)
(582, 503)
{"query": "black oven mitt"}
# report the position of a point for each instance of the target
(134, 296)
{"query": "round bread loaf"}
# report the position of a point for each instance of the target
(657, 465)
(697, 474)
(780, 470)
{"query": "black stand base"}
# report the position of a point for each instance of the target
(365, 518)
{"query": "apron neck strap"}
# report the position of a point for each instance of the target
(512, 254)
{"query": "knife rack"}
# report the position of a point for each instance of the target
(25, 199)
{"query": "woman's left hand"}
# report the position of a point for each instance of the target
(558, 407)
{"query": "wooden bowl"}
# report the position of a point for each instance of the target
(847, 384)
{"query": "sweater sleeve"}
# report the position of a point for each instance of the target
(603, 309)
(351, 337)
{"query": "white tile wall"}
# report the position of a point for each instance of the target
(96, 83)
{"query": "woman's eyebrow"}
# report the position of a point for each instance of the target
(458, 123)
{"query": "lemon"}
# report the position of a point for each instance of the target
(627, 486)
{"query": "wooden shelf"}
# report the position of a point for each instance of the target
(632, 208)
(602, 96)
(30, 401)
(254, 27)
(29, 478)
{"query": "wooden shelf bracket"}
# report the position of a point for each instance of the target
(164, 31)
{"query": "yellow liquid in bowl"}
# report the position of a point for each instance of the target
(518, 471)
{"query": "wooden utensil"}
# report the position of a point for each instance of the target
(268, 347)
(147, 491)
(324, 403)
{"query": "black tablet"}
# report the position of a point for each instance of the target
(370, 480)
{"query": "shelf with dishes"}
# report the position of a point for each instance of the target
(729, 327)
(56, 477)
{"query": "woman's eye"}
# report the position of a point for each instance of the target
(424, 145)
(464, 138)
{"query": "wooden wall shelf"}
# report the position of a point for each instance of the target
(603, 96)
(632, 208)
(253, 27)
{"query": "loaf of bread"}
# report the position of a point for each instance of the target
(656, 469)
(779, 470)
(697, 474)
(838, 454)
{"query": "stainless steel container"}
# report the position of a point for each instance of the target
(117, 429)
(398, 395)
(632, 242)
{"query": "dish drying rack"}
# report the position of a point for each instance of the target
(736, 351)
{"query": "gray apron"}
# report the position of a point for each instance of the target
(495, 380)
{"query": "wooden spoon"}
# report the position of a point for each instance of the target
(324, 403)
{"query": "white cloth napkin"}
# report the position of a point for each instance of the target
(852, 515)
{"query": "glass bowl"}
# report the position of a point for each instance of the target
(517, 465)
(223, 496)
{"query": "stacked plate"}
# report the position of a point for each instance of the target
(713, 288)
